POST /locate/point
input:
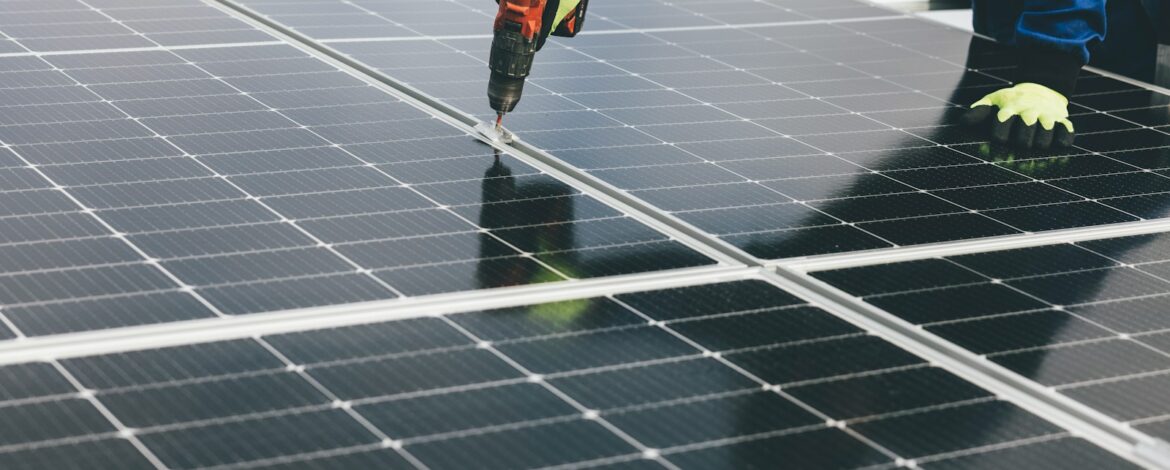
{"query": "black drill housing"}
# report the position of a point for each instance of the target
(510, 63)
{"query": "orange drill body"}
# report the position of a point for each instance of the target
(525, 13)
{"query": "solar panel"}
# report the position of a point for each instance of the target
(823, 137)
(735, 374)
(171, 163)
(1087, 319)
(149, 186)
(75, 25)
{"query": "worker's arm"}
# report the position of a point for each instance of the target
(1054, 38)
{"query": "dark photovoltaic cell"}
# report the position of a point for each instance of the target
(634, 378)
(793, 140)
(1088, 318)
(76, 25)
(156, 186)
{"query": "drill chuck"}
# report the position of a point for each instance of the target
(504, 92)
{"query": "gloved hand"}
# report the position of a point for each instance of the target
(1028, 116)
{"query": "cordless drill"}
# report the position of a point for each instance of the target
(521, 28)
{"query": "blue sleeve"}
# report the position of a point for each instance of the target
(1070, 26)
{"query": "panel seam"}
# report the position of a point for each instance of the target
(136, 338)
(983, 245)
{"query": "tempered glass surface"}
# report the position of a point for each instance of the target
(1088, 319)
(791, 140)
(159, 186)
(524, 387)
(145, 186)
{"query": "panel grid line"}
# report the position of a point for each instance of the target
(343, 405)
(122, 431)
(321, 243)
(721, 253)
(337, 403)
(225, 179)
(146, 258)
(718, 356)
(185, 47)
(539, 379)
(1118, 334)
(867, 116)
(1086, 422)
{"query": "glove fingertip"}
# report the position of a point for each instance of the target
(1047, 123)
(1043, 139)
(1062, 137)
(1006, 114)
(1023, 134)
(1002, 131)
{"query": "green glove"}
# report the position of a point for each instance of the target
(1028, 116)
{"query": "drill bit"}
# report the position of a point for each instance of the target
(500, 122)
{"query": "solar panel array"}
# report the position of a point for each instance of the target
(721, 375)
(1088, 319)
(787, 140)
(167, 185)
(172, 163)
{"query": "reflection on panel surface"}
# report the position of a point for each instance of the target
(157, 186)
(796, 140)
(1089, 319)
(731, 375)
